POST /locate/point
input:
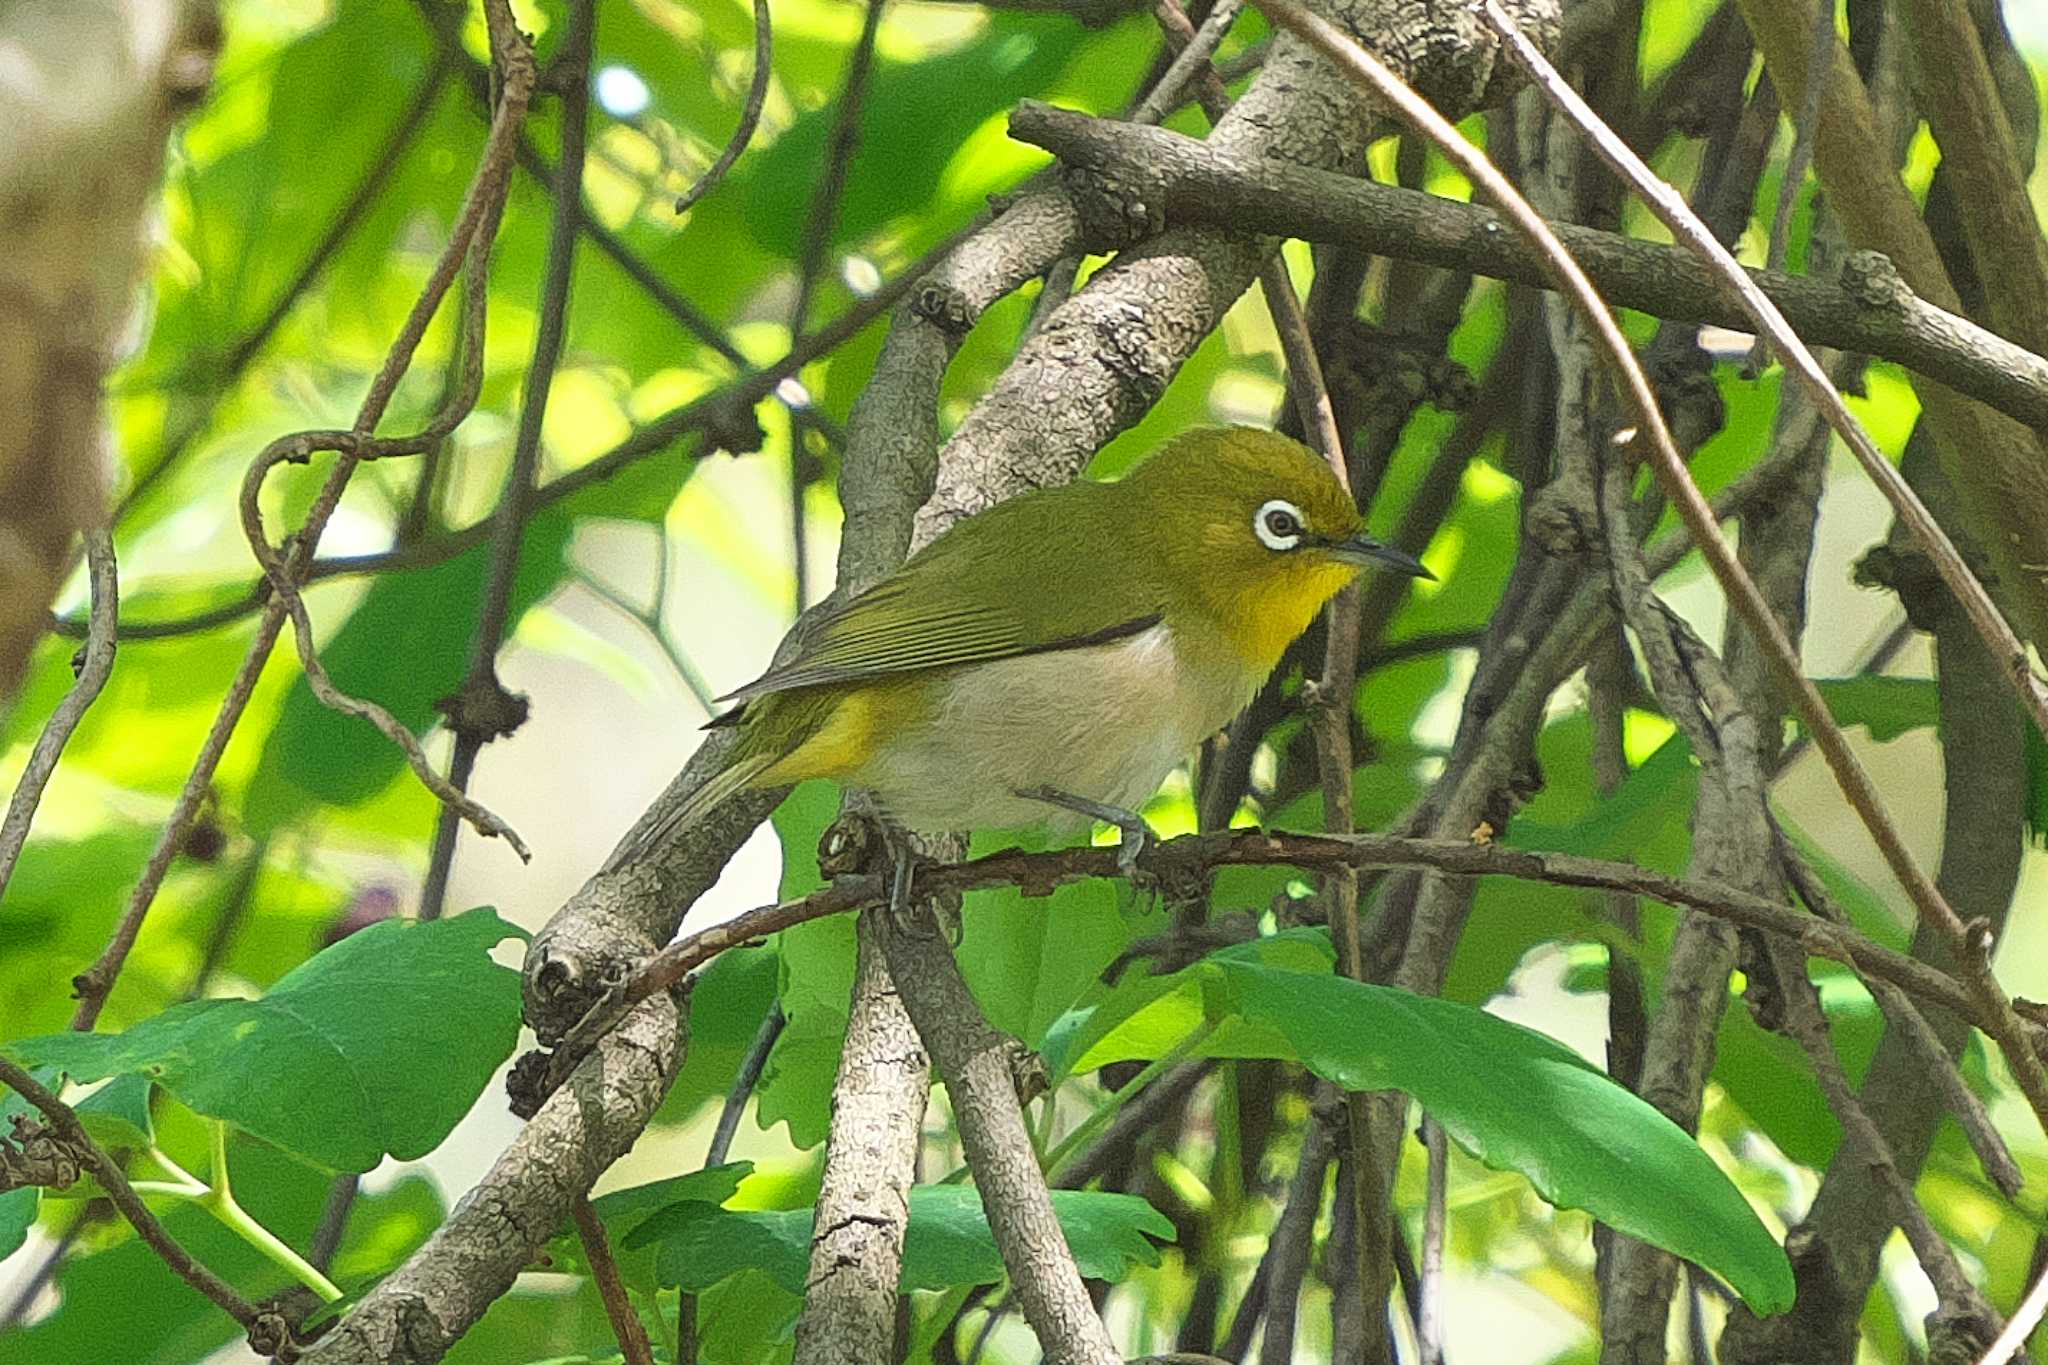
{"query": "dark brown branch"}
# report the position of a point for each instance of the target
(1198, 182)
(750, 115)
(597, 1248)
(1193, 855)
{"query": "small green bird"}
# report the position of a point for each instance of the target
(1066, 648)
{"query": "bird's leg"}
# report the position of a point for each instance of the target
(902, 867)
(1137, 835)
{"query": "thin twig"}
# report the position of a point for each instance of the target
(481, 709)
(1289, 1248)
(96, 666)
(114, 1182)
(1330, 723)
(1807, 1025)
(1801, 156)
(597, 1249)
(743, 1084)
(1901, 1013)
(470, 240)
(750, 116)
(1195, 854)
(1190, 64)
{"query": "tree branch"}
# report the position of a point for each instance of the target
(1868, 311)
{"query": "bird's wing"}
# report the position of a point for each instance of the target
(1006, 583)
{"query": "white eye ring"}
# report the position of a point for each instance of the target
(1278, 524)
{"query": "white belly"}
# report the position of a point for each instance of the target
(1106, 723)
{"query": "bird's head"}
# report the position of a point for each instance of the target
(1255, 533)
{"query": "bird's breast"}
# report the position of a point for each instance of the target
(1107, 722)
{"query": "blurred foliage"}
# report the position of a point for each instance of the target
(304, 204)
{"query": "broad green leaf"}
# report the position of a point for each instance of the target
(117, 1114)
(377, 1045)
(947, 1241)
(1516, 1100)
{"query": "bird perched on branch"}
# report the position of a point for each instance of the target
(1053, 658)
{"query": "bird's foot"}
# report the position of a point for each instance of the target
(1137, 837)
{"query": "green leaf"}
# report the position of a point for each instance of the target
(17, 1216)
(1028, 958)
(117, 1114)
(946, 1243)
(1888, 707)
(1515, 1099)
(377, 1045)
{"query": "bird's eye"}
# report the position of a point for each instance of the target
(1278, 525)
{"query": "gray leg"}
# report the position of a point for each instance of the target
(902, 867)
(1137, 835)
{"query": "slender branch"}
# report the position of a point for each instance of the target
(750, 116)
(114, 1182)
(1330, 723)
(1191, 63)
(1927, 1048)
(1290, 1246)
(597, 1249)
(475, 226)
(743, 1083)
(481, 709)
(1742, 592)
(1193, 855)
(96, 665)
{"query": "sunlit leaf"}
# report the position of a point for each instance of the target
(378, 1045)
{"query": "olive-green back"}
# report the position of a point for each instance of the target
(1012, 580)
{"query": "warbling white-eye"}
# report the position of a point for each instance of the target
(1065, 648)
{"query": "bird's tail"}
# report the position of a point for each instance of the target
(721, 786)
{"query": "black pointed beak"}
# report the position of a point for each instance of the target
(1363, 550)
